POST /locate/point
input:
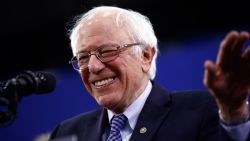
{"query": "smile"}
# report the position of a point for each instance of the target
(103, 82)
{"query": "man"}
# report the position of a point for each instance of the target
(115, 53)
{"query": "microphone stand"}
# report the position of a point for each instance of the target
(9, 99)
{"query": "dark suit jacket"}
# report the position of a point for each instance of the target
(180, 116)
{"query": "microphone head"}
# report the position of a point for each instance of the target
(36, 82)
(46, 82)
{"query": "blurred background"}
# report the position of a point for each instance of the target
(34, 37)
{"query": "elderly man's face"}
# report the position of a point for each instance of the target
(116, 84)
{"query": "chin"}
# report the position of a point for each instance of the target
(106, 102)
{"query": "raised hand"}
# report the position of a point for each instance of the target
(228, 80)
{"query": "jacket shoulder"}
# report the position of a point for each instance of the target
(200, 101)
(74, 125)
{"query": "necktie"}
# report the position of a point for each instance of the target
(117, 123)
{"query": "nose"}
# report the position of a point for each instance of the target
(95, 65)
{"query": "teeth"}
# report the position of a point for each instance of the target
(103, 82)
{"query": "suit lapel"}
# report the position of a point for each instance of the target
(152, 115)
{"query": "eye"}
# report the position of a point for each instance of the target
(107, 52)
(83, 57)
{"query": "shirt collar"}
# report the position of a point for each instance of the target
(133, 111)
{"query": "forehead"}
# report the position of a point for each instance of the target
(101, 29)
(101, 26)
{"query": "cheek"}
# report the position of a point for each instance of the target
(87, 86)
(134, 70)
(84, 77)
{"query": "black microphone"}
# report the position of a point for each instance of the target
(24, 84)
(28, 83)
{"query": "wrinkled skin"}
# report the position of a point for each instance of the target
(125, 77)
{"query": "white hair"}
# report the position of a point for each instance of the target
(138, 27)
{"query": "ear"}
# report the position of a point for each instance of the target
(147, 57)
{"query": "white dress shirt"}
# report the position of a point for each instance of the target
(132, 113)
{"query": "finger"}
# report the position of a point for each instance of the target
(238, 46)
(225, 49)
(246, 65)
(210, 73)
(246, 55)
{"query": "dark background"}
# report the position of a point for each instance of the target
(34, 32)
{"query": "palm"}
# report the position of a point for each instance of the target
(229, 79)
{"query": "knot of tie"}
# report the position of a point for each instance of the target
(117, 123)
